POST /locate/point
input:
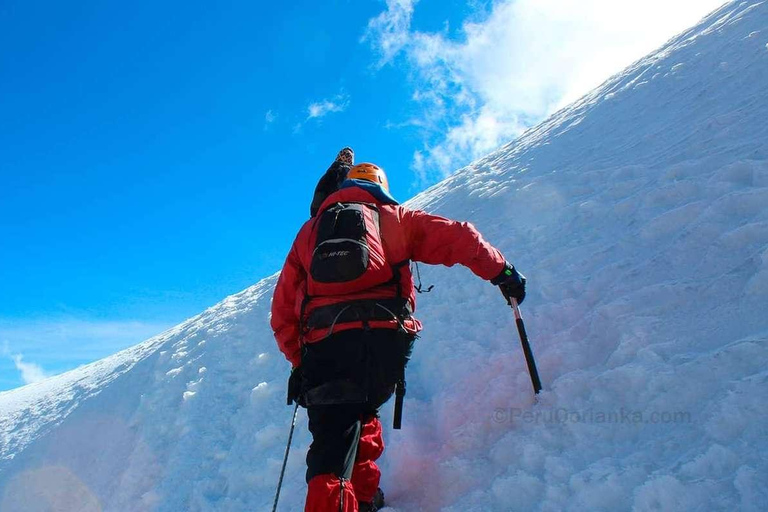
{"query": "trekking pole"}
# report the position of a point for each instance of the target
(285, 459)
(532, 371)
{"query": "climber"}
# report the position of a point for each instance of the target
(342, 313)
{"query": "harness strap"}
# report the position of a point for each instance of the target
(362, 310)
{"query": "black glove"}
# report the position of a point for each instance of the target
(294, 386)
(511, 283)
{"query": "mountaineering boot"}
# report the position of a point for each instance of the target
(372, 506)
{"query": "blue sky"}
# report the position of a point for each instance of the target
(156, 157)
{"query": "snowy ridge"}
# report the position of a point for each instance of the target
(95, 413)
(640, 215)
(42, 405)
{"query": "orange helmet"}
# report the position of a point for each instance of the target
(369, 172)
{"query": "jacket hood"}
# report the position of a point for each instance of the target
(358, 191)
(381, 195)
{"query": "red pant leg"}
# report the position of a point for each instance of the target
(366, 475)
(323, 495)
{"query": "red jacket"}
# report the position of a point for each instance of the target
(407, 235)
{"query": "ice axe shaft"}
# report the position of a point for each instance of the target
(529, 360)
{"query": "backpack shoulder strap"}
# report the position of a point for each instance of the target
(396, 276)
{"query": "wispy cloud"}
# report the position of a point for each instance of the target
(389, 32)
(57, 345)
(269, 118)
(517, 64)
(30, 372)
(322, 108)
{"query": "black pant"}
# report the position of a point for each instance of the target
(346, 378)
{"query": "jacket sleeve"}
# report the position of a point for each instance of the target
(328, 184)
(285, 321)
(439, 241)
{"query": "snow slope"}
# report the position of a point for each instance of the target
(639, 214)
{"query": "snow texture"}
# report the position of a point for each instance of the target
(639, 214)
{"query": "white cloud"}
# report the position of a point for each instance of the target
(389, 32)
(30, 372)
(319, 109)
(322, 108)
(519, 63)
(269, 118)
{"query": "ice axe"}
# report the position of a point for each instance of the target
(529, 360)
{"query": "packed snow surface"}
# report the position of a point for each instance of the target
(639, 214)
